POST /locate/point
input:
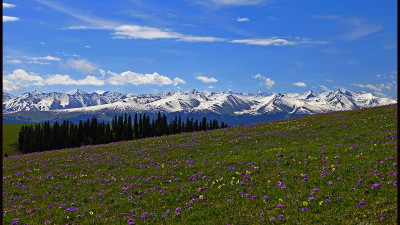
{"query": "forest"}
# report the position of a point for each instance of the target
(44, 136)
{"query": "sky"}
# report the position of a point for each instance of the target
(244, 46)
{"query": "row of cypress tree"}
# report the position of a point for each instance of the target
(43, 137)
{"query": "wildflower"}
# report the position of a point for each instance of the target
(91, 213)
(304, 209)
(162, 192)
(272, 219)
(47, 222)
(131, 221)
(360, 181)
(305, 203)
(376, 186)
(262, 214)
(98, 216)
(280, 217)
(311, 199)
(327, 200)
(178, 209)
(330, 183)
(266, 197)
(361, 203)
(280, 205)
(229, 200)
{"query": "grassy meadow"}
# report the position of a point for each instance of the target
(335, 168)
(10, 138)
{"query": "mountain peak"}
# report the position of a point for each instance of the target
(76, 92)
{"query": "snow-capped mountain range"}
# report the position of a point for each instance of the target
(191, 102)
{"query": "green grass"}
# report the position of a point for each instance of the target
(10, 139)
(119, 180)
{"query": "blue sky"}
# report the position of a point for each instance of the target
(145, 46)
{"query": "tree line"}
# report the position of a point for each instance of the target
(43, 137)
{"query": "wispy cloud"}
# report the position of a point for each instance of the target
(81, 65)
(7, 5)
(178, 80)
(16, 61)
(276, 41)
(300, 84)
(324, 88)
(207, 79)
(359, 28)
(268, 82)
(329, 80)
(49, 58)
(242, 19)
(377, 88)
(125, 31)
(10, 19)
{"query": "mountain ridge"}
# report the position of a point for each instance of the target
(228, 104)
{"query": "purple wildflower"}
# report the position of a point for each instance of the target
(376, 186)
(304, 209)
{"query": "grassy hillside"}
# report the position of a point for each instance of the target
(323, 169)
(10, 138)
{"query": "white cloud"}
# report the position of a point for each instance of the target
(189, 38)
(67, 80)
(377, 88)
(206, 79)
(103, 73)
(144, 32)
(276, 41)
(332, 81)
(268, 82)
(300, 84)
(21, 75)
(7, 5)
(210, 87)
(378, 75)
(20, 78)
(49, 58)
(138, 78)
(380, 94)
(10, 18)
(324, 88)
(242, 19)
(14, 61)
(81, 65)
(9, 85)
(38, 62)
(178, 80)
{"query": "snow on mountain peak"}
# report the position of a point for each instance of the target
(195, 101)
(76, 92)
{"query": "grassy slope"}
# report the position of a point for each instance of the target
(10, 138)
(220, 176)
